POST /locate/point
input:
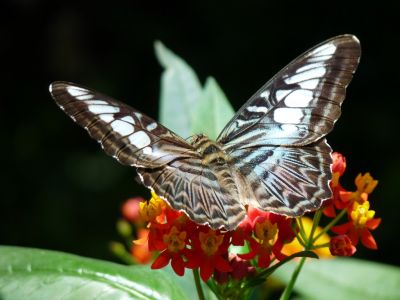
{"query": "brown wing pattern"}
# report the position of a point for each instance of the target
(287, 180)
(300, 104)
(207, 194)
(124, 133)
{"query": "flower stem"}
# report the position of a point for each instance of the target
(200, 292)
(302, 232)
(288, 290)
(308, 245)
(330, 225)
(317, 218)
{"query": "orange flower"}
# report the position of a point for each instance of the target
(140, 250)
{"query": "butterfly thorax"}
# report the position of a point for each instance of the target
(211, 151)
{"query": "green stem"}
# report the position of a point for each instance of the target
(200, 292)
(300, 239)
(330, 225)
(309, 244)
(317, 218)
(321, 246)
(288, 290)
(302, 232)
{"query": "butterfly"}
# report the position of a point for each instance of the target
(272, 155)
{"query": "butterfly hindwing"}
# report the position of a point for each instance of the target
(286, 180)
(124, 133)
(206, 194)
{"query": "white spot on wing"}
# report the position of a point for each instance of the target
(289, 128)
(147, 150)
(309, 84)
(257, 109)
(96, 102)
(310, 74)
(139, 139)
(299, 98)
(288, 115)
(76, 91)
(103, 109)
(84, 97)
(280, 94)
(107, 117)
(151, 126)
(128, 119)
(328, 49)
(265, 94)
(309, 66)
(121, 127)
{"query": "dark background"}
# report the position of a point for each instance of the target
(60, 191)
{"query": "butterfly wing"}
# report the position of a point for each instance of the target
(124, 133)
(301, 103)
(208, 195)
(166, 163)
(276, 138)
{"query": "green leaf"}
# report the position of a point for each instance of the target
(213, 110)
(180, 91)
(186, 283)
(41, 274)
(344, 278)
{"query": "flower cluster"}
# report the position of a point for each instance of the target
(165, 236)
(356, 205)
(186, 244)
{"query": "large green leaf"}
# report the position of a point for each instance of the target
(213, 110)
(180, 91)
(344, 278)
(41, 274)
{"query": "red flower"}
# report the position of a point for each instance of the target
(270, 233)
(242, 233)
(341, 246)
(209, 252)
(338, 165)
(361, 222)
(240, 270)
(338, 168)
(174, 242)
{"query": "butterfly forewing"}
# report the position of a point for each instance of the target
(272, 154)
(124, 133)
(301, 103)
